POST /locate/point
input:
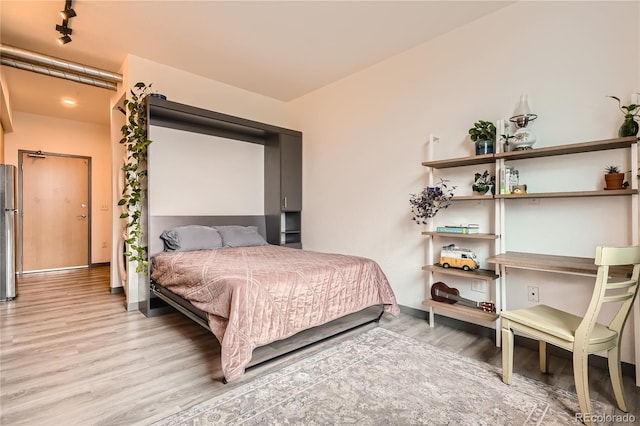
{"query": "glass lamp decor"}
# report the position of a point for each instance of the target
(523, 138)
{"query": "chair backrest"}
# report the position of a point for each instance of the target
(608, 289)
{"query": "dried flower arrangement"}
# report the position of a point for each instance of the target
(430, 200)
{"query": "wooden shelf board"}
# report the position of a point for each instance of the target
(461, 161)
(598, 193)
(460, 310)
(576, 148)
(470, 236)
(553, 263)
(472, 197)
(601, 145)
(484, 274)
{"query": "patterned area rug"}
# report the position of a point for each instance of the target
(383, 378)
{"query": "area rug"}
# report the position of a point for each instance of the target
(383, 378)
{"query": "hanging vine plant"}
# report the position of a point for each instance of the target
(134, 138)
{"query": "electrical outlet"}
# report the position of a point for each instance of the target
(479, 286)
(533, 294)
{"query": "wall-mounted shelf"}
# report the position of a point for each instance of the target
(601, 145)
(576, 148)
(462, 161)
(457, 310)
(597, 193)
(469, 236)
(483, 274)
(472, 197)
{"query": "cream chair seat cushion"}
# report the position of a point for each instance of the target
(556, 323)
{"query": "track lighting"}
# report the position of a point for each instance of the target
(64, 40)
(68, 11)
(64, 29)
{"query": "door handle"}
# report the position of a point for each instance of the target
(83, 216)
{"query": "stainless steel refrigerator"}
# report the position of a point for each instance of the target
(7, 232)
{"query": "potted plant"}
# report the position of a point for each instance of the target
(430, 200)
(630, 125)
(484, 183)
(483, 133)
(134, 138)
(613, 178)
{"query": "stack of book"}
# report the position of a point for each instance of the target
(472, 228)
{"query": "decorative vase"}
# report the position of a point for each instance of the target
(629, 127)
(523, 138)
(484, 147)
(614, 180)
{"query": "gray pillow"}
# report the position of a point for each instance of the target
(240, 236)
(191, 237)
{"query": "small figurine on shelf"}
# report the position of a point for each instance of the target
(452, 256)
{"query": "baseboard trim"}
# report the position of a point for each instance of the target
(597, 361)
(117, 290)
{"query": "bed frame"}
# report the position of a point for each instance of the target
(159, 300)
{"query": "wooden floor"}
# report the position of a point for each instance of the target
(71, 354)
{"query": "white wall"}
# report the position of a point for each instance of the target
(38, 132)
(365, 138)
(194, 174)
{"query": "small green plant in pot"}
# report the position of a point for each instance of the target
(484, 183)
(630, 125)
(613, 178)
(483, 133)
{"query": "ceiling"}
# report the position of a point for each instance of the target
(280, 49)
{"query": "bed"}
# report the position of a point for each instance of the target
(250, 293)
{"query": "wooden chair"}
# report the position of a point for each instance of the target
(580, 335)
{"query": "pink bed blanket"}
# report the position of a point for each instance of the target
(256, 295)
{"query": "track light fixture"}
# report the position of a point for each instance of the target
(64, 40)
(68, 11)
(64, 29)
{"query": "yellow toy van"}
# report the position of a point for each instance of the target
(452, 256)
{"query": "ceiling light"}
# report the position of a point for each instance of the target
(64, 40)
(68, 11)
(63, 29)
(69, 102)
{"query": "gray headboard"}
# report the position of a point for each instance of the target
(157, 224)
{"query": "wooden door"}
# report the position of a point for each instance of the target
(55, 212)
